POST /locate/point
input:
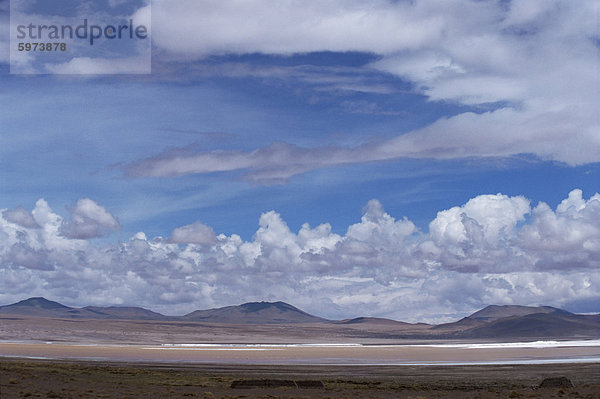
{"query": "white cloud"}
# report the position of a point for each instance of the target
(568, 238)
(472, 53)
(40, 246)
(494, 214)
(209, 27)
(102, 66)
(134, 58)
(88, 220)
(513, 60)
(492, 250)
(196, 233)
(479, 236)
(20, 216)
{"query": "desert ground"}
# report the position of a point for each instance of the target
(25, 378)
(158, 341)
(157, 332)
(63, 358)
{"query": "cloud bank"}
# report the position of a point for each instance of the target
(494, 249)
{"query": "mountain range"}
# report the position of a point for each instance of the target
(490, 322)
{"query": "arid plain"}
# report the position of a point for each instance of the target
(61, 379)
(291, 354)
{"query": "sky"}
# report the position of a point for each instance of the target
(416, 160)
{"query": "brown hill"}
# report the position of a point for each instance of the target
(254, 313)
(560, 324)
(492, 322)
(464, 324)
(494, 312)
(378, 321)
(41, 307)
(511, 321)
(124, 312)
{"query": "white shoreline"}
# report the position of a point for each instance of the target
(326, 354)
(546, 344)
(490, 345)
(594, 359)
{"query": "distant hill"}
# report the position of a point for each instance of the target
(377, 321)
(464, 324)
(125, 312)
(41, 307)
(491, 322)
(248, 313)
(512, 321)
(37, 303)
(494, 312)
(556, 324)
(254, 313)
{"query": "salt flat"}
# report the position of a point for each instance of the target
(337, 354)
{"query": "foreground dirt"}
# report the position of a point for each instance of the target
(21, 378)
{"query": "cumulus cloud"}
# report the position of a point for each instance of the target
(22, 254)
(88, 220)
(477, 236)
(494, 249)
(568, 237)
(38, 244)
(196, 233)
(20, 216)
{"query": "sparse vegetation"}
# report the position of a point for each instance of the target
(46, 379)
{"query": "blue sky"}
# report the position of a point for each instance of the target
(414, 160)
